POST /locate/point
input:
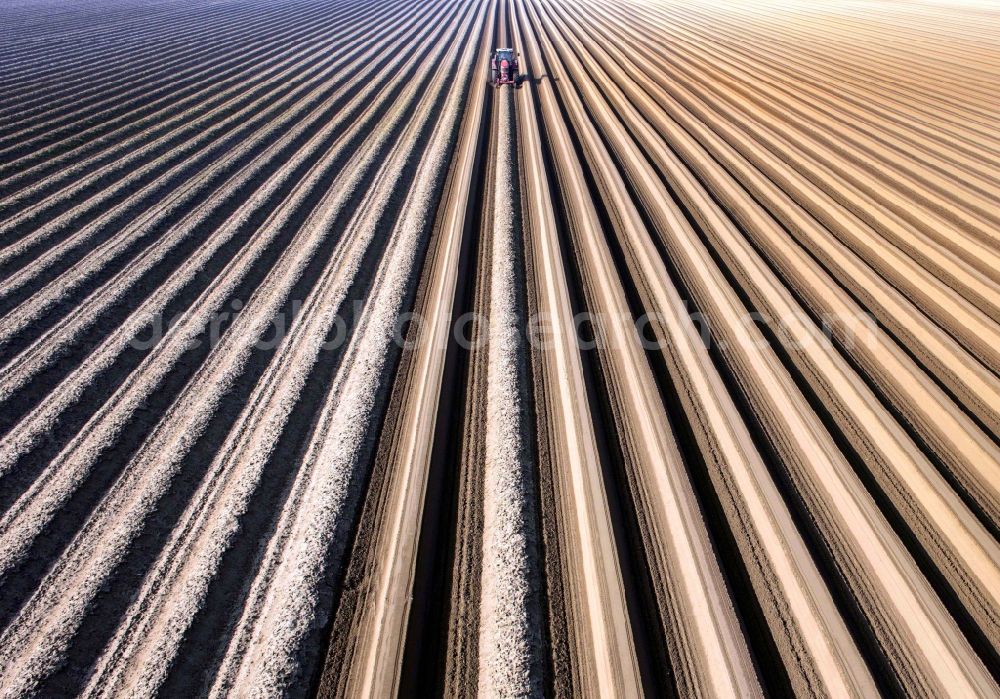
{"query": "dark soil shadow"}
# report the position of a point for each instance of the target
(529, 78)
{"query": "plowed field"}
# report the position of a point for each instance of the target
(327, 367)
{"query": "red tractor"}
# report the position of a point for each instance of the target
(503, 63)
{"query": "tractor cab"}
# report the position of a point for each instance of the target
(503, 65)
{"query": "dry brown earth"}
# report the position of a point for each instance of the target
(328, 368)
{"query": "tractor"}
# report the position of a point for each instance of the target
(503, 63)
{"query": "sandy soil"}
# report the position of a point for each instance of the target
(776, 471)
